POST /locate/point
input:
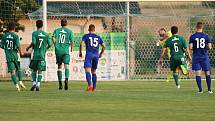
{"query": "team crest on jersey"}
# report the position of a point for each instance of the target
(175, 38)
(41, 35)
(9, 36)
(62, 31)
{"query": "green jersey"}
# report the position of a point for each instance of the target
(64, 38)
(177, 44)
(11, 42)
(40, 41)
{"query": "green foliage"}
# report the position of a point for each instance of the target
(14, 10)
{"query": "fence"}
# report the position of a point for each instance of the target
(131, 38)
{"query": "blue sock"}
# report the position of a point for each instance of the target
(88, 78)
(208, 80)
(199, 83)
(94, 78)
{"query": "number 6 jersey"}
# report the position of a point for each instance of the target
(177, 44)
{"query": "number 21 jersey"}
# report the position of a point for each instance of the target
(92, 42)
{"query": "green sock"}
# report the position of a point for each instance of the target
(34, 77)
(175, 76)
(13, 77)
(67, 73)
(39, 78)
(59, 75)
(20, 75)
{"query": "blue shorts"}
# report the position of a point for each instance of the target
(201, 64)
(91, 62)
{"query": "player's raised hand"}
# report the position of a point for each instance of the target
(160, 61)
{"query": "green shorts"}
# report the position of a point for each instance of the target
(13, 65)
(176, 63)
(38, 65)
(63, 59)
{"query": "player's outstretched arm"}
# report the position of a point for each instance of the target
(30, 46)
(162, 54)
(188, 53)
(53, 40)
(71, 46)
(80, 49)
(20, 51)
(103, 49)
(209, 46)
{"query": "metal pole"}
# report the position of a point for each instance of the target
(128, 39)
(45, 29)
(45, 15)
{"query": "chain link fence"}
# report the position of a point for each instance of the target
(110, 20)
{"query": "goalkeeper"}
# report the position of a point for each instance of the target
(163, 37)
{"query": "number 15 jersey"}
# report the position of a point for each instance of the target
(64, 38)
(200, 41)
(92, 42)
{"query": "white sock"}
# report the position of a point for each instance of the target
(34, 83)
(38, 84)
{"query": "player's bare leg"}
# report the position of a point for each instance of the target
(94, 79)
(66, 66)
(59, 75)
(208, 80)
(13, 77)
(34, 80)
(88, 78)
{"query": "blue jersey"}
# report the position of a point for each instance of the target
(200, 42)
(92, 42)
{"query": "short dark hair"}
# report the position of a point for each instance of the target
(174, 29)
(199, 25)
(63, 22)
(39, 23)
(11, 25)
(91, 27)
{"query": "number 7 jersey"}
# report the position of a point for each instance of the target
(92, 42)
(40, 41)
(200, 41)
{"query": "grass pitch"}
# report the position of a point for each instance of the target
(114, 101)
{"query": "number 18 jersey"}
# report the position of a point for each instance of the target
(92, 42)
(64, 38)
(200, 41)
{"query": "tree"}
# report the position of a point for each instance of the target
(14, 10)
